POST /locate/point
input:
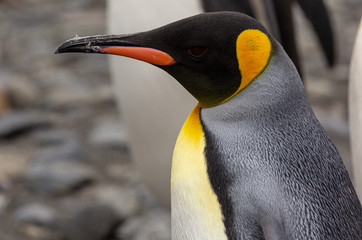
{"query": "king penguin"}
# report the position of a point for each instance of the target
(146, 152)
(251, 161)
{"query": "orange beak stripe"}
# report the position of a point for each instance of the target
(149, 55)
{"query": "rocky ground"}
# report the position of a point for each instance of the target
(64, 166)
(65, 170)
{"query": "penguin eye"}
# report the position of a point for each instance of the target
(197, 51)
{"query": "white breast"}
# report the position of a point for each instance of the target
(195, 210)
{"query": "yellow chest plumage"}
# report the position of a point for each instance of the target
(196, 212)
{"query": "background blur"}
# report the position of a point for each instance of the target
(65, 169)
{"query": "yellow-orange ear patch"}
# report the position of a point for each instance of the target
(253, 50)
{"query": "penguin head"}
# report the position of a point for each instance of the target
(213, 55)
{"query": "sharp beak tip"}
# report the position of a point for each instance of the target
(57, 51)
(62, 48)
(69, 47)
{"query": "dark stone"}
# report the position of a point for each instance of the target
(68, 151)
(15, 123)
(35, 213)
(88, 223)
(124, 201)
(58, 177)
(154, 225)
(109, 133)
(51, 137)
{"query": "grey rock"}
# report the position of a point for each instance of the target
(35, 213)
(4, 186)
(17, 122)
(22, 92)
(69, 92)
(4, 101)
(123, 200)
(12, 231)
(109, 133)
(154, 225)
(4, 200)
(36, 232)
(70, 150)
(54, 137)
(58, 177)
(88, 223)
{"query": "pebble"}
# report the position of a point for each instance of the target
(36, 232)
(69, 150)
(4, 101)
(154, 225)
(36, 214)
(58, 177)
(22, 93)
(50, 137)
(109, 133)
(93, 222)
(17, 122)
(123, 200)
(3, 202)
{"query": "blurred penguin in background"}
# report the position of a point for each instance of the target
(277, 17)
(355, 111)
(153, 123)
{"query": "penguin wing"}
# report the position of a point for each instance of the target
(317, 13)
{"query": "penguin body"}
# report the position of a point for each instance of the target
(251, 161)
(261, 150)
(273, 166)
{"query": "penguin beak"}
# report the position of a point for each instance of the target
(117, 45)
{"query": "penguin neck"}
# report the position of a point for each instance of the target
(195, 210)
(279, 86)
